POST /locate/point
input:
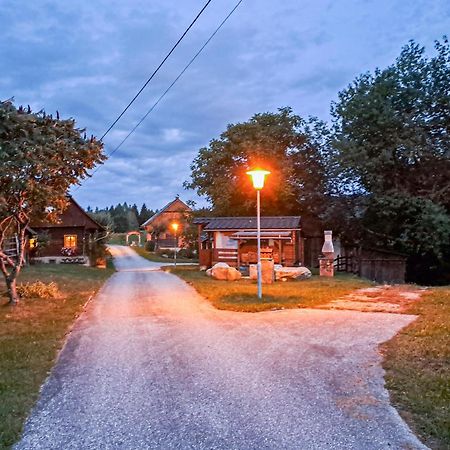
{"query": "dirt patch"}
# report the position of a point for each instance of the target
(392, 299)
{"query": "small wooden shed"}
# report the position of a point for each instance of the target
(233, 240)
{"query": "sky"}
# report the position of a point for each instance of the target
(87, 59)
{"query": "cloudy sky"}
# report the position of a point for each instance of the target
(87, 59)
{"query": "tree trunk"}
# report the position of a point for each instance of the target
(12, 291)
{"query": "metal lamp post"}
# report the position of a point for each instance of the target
(258, 178)
(175, 229)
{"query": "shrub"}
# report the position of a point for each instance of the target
(165, 252)
(150, 246)
(186, 253)
(38, 289)
(97, 251)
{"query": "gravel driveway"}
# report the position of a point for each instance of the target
(150, 364)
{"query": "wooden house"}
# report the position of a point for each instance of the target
(233, 240)
(67, 240)
(158, 228)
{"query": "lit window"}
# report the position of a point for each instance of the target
(70, 240)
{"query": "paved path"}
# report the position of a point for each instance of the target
(151, 365)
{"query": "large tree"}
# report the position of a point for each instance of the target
(392, 145)
(281, 142)
(40, 158)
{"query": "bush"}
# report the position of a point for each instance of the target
(186, 253)
(97, 251)
(150, 246)
(165, 252)
(38, 289)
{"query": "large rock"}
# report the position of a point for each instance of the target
(222, 271)
(294, 273)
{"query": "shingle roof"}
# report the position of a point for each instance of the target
(73, 216)
(249, 223)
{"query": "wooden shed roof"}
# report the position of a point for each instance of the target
(249, 223)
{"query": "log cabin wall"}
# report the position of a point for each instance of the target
(56, 241)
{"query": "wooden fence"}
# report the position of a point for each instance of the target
(381, 269)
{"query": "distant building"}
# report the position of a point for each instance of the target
(159, 227)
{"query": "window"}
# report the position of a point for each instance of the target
(70, 240)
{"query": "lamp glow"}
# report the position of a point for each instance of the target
(175, 227)
(258, 177)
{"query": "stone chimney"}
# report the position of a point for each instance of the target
(326, 262)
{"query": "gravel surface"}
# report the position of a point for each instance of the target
(151, 365)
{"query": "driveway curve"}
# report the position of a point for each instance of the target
(151, 365)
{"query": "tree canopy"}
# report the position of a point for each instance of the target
(281, 142)
(392, 127)
(40, 158)
(392, 144)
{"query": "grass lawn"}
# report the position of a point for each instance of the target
(241, 295)
(152, 256)
(417, 364)
(31, 335)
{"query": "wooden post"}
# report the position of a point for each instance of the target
(238, 254)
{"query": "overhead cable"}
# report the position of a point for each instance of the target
(156, 70)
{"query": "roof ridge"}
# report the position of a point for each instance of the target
(150, 219)
(245, 217)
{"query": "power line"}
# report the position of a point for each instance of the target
(156, 70)
(176, 79)
(172, 84)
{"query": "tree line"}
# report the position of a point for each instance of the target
(121, 217)
(378, 174)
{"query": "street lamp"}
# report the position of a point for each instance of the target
(175, 229)
(258, 178)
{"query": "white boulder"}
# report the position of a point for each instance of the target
(294, 273)
(222, 271)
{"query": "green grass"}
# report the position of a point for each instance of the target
(31, 335)
(417, 364)
(241, 295)
(152, 256)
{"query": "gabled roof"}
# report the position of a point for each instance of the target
(73, 216)
(249, 223)
(175, 205)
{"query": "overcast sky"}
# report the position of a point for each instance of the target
(87, 59)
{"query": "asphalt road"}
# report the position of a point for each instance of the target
(150, 365)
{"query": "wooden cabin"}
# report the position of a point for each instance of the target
(233, 240)
(68, 239)
(158, 227)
